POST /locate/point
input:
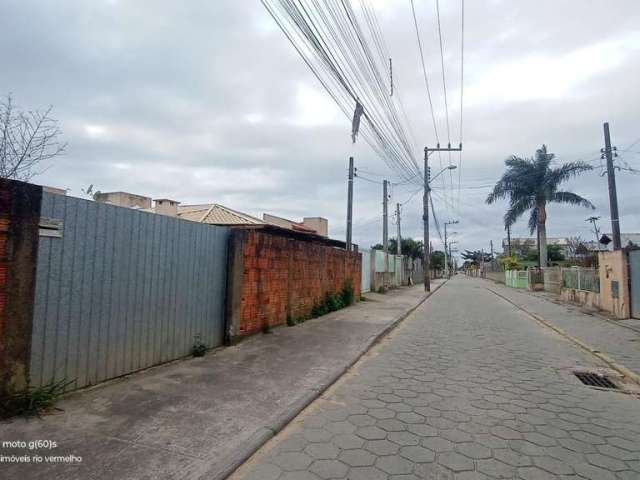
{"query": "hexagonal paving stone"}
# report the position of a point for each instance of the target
(357, 458)
(361, 420)
(455, 461)
(391, 425)
(317, 435)
(329, 468)
(322, 451)
(371, 433)
(394, 465)
(473, 450)
(403, 438)
(417, 454)
(552, 465)
(496, 469)
(606, 462)
(347, 441)
(535, 473)
(382, 447)
(367, 473)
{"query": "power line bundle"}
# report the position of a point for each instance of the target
(352, 63)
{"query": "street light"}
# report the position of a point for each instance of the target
(450, 167)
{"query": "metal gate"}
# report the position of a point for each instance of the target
(118, 290)
(634, 270)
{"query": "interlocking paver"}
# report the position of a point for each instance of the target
(467, 388)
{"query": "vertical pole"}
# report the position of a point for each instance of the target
(385, 233)
(491, 243)
(385, 226)
(481, 263)
(613, 195)
(399, 236)
(350, 206)
(446, 258)
(509, 240)
(425, 221)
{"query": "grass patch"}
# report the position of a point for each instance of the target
(33, 401)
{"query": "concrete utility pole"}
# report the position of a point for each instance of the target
(613, 194)
(446, 258)
(491, 243)
(385, 226)
(350, 206)
(426, 260)
(509, 240)
(398, 237)
(425, 205)
(481, 262)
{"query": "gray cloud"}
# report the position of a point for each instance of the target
(206, 101)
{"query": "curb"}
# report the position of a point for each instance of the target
(588, 348)
(267, 432)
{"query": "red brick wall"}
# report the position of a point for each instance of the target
(285, 277)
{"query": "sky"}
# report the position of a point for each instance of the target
(205, 101)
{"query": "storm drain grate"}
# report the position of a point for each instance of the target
(595, 380)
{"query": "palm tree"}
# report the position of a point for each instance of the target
(531, 183)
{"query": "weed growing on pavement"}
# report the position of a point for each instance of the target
(199, 348)
(33, 401)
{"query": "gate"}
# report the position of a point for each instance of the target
(118, 290)
(634, 271)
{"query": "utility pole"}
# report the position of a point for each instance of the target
(596, 230)
(385, 226)
(446, 259)
(509, 240)
(350, 206)
(491, 243)
(425, 206)
(613, 195)
(426, 261)
(481, 262)
(398, 237)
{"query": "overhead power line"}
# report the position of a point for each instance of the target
(347, 54)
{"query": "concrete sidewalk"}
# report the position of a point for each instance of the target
(200, 418)
(616, 340)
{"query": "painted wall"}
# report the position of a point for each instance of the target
(614, 268)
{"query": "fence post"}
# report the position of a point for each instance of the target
(579, 280)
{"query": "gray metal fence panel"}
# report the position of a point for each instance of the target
(366, 271)
(123, 290)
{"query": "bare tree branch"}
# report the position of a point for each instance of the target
(26, 140)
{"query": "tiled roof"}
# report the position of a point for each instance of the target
(216, 214)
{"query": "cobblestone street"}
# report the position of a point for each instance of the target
(468, 387)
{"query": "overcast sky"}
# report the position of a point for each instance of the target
(206, 101)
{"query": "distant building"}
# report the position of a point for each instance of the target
(317, 225)
(216, 214)
(212, 213)
(124, 199)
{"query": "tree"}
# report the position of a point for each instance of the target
(530, 184)
(410, 247)
(555, 253)
(27, 138)
(474, 257)
(437, 260)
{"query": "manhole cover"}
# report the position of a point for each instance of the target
(596, 380)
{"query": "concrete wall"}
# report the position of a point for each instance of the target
(19, 219)
(614, 268)
(274, 276)
(581, 297)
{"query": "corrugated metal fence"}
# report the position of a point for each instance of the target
(122, 290)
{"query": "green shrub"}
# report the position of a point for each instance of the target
(33, 401)
(348, 293)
